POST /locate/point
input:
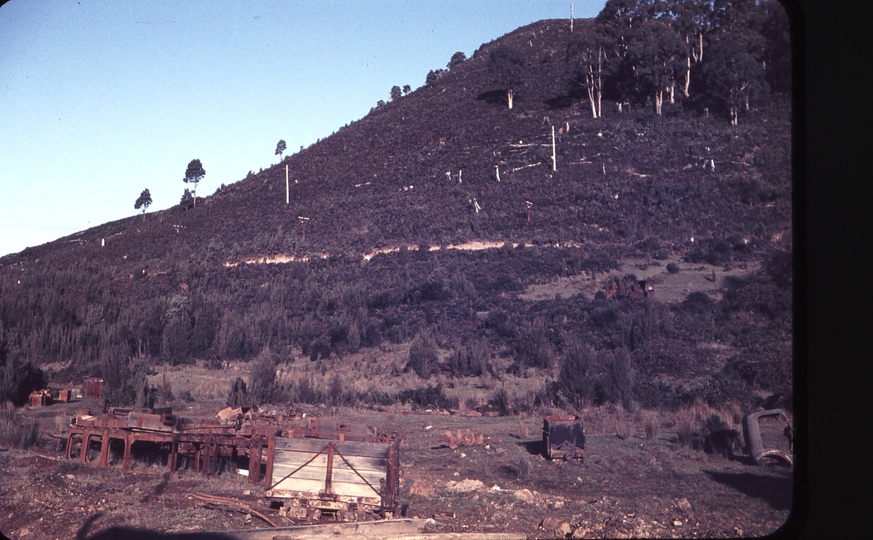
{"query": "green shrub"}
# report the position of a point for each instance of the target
(534, 348)
(618, 381)
(18, 380)
(576, 378)
(16, 432)
(239, 395)
(428, 397)
(423, 355)
(264, 388)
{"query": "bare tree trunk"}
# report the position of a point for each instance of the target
(509, 97)
(687, 77)
(592, 101)
(599, 79)
(554, 155)
(672, 89)
(659, 100)
(733, 115)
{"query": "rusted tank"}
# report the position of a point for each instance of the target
(92, 387)
(563, 437)
(323, 472)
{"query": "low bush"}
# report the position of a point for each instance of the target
(16, 432)
(423, 355)
(428, 397)
(618, 381)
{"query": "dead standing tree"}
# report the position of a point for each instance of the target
(507, 66)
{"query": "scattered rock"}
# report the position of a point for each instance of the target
(684, 505)
(464, 486)
(247, 492)
(556, 523)
(495, 487)
(24, 532)
(677, 522)
(524, 495)
(421, 488)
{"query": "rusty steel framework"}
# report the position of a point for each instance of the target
(337, 467)
(202, 441)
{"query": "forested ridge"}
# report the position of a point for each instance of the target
(672, 143)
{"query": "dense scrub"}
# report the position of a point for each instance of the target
(422, 171)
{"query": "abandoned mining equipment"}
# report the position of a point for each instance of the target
(350, 472)
(345, 472)
(563, 437)
(771, 455)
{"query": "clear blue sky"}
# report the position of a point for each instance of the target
(102, 99)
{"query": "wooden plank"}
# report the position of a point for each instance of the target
(339, 488)
(346, 448)
(296, 459)
(320, 473)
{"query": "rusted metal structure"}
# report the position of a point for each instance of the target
(563, 437)
(40, 398)
(631, 289)
(309, 469)
(203, 442)
(754, 443)
(92, 387)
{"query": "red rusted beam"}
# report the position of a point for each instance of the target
(128, 441)
(104, 449)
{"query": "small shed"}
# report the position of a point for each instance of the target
(93, 387)
(563, 437)
(64, 395)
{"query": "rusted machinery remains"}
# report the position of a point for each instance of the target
(309, 469)
(754, 442)
(202, 441)
(626, 288)
(563, 437)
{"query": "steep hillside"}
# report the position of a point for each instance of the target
(422, 170)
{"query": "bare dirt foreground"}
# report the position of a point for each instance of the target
(628, 486)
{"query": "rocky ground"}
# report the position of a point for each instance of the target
(631, 484)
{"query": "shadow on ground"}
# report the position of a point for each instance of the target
(132, 533)
(776, 490)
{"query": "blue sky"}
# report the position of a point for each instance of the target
(102, 99)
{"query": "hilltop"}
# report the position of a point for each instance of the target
(436, 268)
(632, 192)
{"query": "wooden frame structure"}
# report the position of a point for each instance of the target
(308, 469)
